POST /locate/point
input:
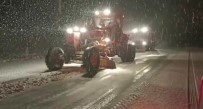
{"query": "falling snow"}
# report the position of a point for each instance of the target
(36, 25)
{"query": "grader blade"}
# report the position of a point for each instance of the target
(107, 63)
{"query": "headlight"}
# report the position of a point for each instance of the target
(131, 43)
(96, 13)
(69, 30)
(135, 30)
(83, 30)
(144, 43)
(144, 29)
(77, 34)
(76, 28)
(107, 40)
(106, 12)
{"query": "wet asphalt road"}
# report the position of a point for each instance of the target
(105, 90)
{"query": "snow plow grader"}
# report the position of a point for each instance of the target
(94, 44)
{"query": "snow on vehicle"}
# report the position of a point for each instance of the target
(143, 38)
(94, 44)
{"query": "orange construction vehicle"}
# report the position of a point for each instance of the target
(143, 38)
(94, 44)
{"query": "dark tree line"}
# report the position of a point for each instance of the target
(34, 24)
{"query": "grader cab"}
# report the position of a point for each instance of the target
(94, 44)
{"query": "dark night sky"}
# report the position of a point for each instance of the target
(173, 20)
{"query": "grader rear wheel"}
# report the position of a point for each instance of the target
(54, 59)
(131, 53)
(128, 53)
(123, 53)
(69, 53)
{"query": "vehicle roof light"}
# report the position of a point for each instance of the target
(96, 13)
(76, 28)
(144, 29)
(135, 30)
(144, 43)
(83, 30)
(69, 30)
(107, 12)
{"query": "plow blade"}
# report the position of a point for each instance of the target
(107, 63)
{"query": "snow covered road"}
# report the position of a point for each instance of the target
(25, 68)
(117, 88)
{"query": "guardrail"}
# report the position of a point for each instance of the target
(200, 104)
(194, 92)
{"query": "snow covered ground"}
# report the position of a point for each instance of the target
(168, 89)
(20, 74)
(21, 68)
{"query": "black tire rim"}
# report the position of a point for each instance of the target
(94, 60)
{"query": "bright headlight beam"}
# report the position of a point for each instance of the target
(76, 28)
(107, 40)
(77, 34)
(83, 30)
(144, 29)
(96, 13)
(69, 30)
(135, 30)
(144, 43)
(107, 12)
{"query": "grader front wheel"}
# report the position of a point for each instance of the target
(91, 61)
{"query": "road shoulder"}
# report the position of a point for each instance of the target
(168, 89)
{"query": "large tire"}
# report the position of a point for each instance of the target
(131, 53)
(91, 61)
(54, 59)
(128, 53)
(123, 53)
(69, 53)
(67, 57)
